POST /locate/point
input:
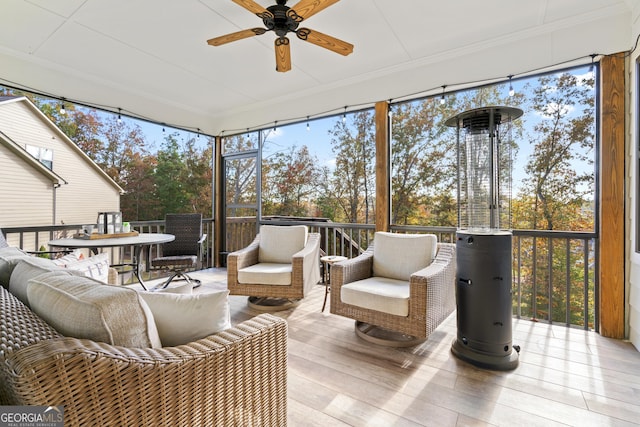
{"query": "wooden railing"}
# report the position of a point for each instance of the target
(554, 273)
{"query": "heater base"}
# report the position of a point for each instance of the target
(485, 361)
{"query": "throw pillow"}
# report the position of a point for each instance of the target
(69, 258)
(96, 267)
(28, 268)
(183, 288)
(81, 307)
(9, 257)
(181, 318)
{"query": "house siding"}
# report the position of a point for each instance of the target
(86, 191)
(27, 198)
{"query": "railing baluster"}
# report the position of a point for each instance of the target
(534, 289)
(585, 285)
(519, 276)
(550, 280)
(568, 282)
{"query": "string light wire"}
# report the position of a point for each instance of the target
(326, 113)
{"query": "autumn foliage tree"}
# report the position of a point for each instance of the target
(291, 179)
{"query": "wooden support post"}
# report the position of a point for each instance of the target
(219, 227)
(611, 233)
(383, 167)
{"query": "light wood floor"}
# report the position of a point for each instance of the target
(564, 377)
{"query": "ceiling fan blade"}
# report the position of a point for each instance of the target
(217, 41)
(254, 7)
(325, 41)
(283, 54)
(307, 8)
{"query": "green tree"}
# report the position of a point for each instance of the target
(420, 173)
(352, 185)
(198, 179)
(139, 202)
(170, 173)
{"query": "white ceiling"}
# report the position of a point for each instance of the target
(150, 57)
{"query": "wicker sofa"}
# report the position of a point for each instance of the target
(234, 377)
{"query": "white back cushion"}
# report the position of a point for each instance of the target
(81, 307)
(27, 269)
(398, 256)
(279, 243)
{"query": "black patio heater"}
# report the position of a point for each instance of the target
(483, 241)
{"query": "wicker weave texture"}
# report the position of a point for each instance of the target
(431, 297)
(237, 377)
(302, 276)
(188, 229)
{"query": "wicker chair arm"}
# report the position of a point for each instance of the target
(307, 260)
(442, 266)
(310, 249)
(235, 377)
(354, 269)
(432, 289)
(244, 257)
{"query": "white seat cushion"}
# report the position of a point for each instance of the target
(279, 243)
(378, 293)
(398, 256)
(266, 273)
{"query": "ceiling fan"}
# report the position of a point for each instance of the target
(283, 19)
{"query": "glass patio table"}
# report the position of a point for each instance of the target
(138, 242)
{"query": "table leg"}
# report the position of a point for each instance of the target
(327, 282)
(137, 249)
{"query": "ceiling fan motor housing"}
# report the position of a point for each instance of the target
(284, 19)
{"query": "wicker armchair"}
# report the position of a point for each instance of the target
(277, 269)
(185, 252)
(396, 294)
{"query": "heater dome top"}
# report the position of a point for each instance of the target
(480, 117)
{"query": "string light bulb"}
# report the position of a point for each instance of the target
(511, 90)
(344, 115)
(442, 96)
(275, 125)
(198, 129)
(62, 110)
(119, 115)
(308, 127)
